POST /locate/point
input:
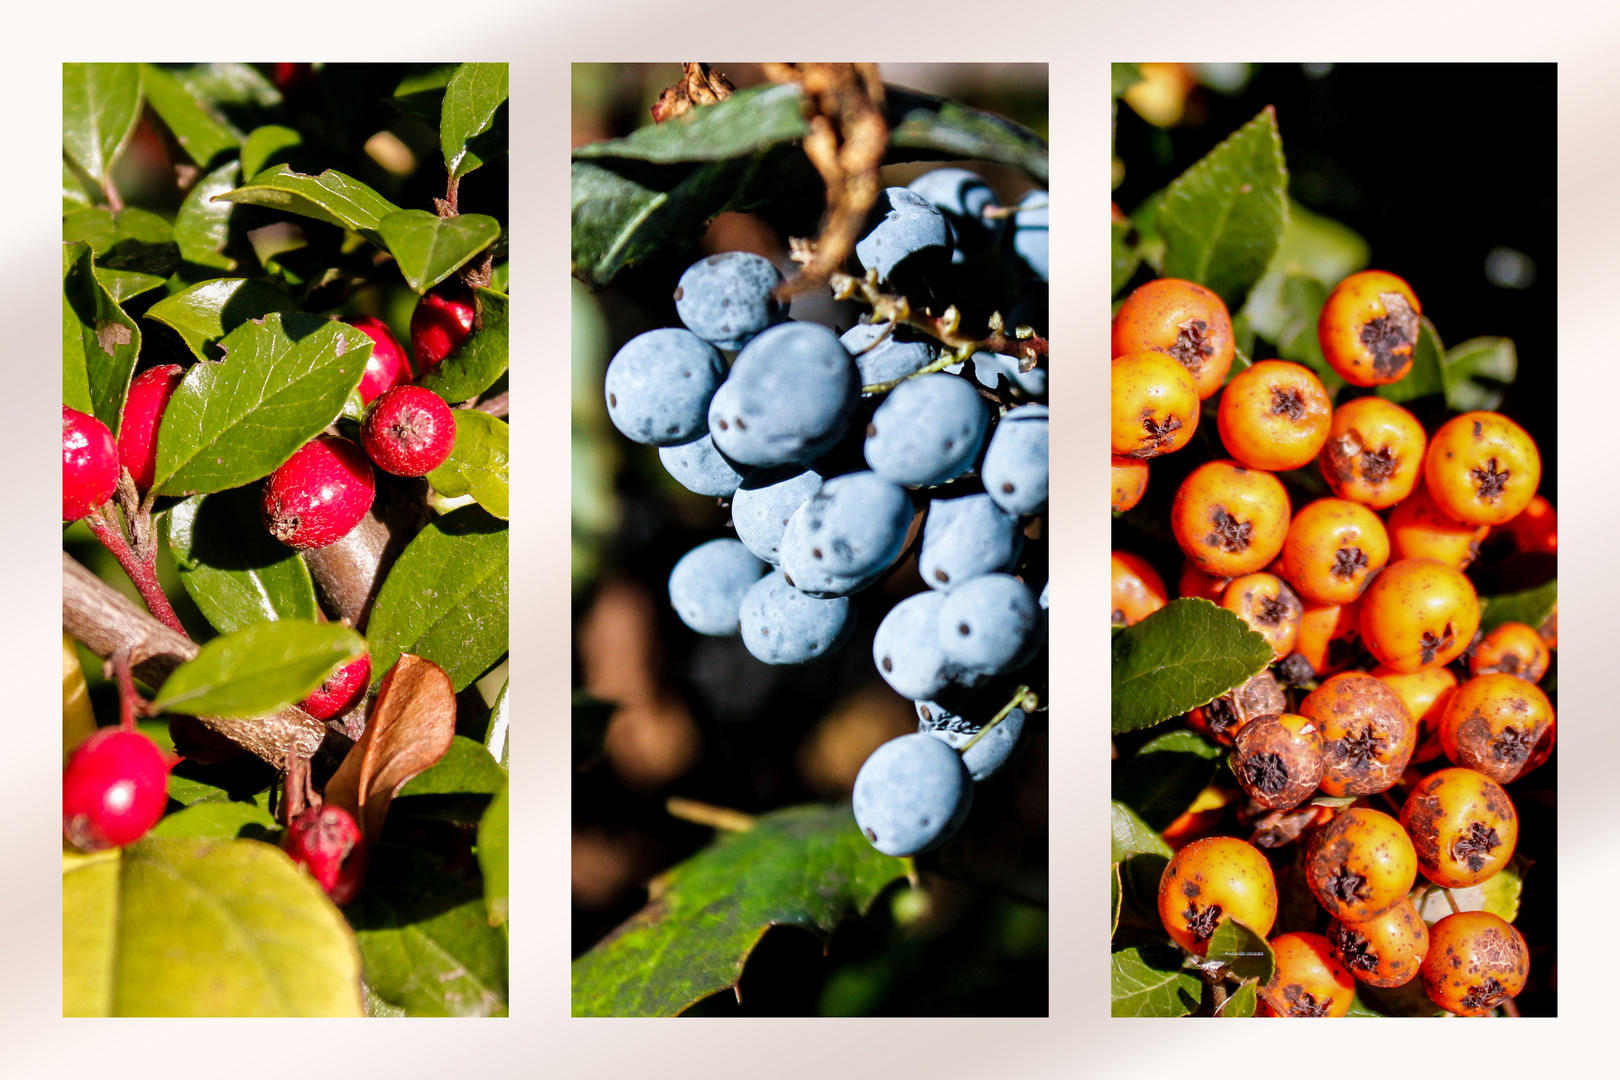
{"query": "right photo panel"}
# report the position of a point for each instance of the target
(1334, 568)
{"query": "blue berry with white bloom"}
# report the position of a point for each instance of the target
(912, 794)
(967, 202)
(701, 468)
(659, 386)
(855, 525)
(764, 502)
(966, 537)
(1028, 236)
(789, 397)
(707, 586)
(781, 625)
(995, 747)
(1015, 469)
(989, 624)
(907, 651)
(727, 298)
(905, 236)
(902, 352)
(929, 429)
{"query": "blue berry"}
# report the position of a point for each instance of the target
(854, 526)
(929, 430)
(988, 367)
(995, 747)
(903, 352)
(965, 537)
(989, 623)
(728, 298)
(659, 386)
(1015, 469)
(964, 198)
(764, 502)
(905, 235)
(906, 648)
(708, 585)
(788, 398)
(781, 625)
(701, 468)
(1029, 236)
(912, 794)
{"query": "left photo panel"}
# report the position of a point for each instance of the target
(284, 547)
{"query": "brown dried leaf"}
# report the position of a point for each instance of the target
(698, 86)
(410, 729)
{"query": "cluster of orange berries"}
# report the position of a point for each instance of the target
(1315, 582)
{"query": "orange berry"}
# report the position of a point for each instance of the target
(1308, 979)
(1269, 606)
(1475, 962)
(1155, 405)
(1230, 519)
(1278, 762)
(1274, 415)
(1327, 636)
(1425, 694)
(1374, 452)
(1194, 582)
(1138, 589)
(1535, 529)
(1333, 549)
(1482, 468)
(1499, 725)
(1418, 614)
(1360, 864)
(1418, 529)
(1367, 734)
(1386, 950)
(1212, 880)
(1183, 320)
(1369, 327)
(1130, 482)
(1463, 827)
(1511, 649)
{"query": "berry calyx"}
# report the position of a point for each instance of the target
(114, 789)
(148, 397)
(410, 431)
(319, 494)
(440, 323)
(89, 464)
(327, 842)
(387, 366)
(340, 691)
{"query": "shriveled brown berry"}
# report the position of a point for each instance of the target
(1367, 734)
(1226, 715)
(1278, 760)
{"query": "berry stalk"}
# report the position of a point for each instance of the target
(141, 568)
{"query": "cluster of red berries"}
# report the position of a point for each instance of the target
(1364, 611)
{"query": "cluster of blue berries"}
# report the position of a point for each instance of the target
(961, 447)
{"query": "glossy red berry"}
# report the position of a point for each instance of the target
(326, 841)
(410, 431)
(114, 789)
(319, 494)
(148, 396)
(341, 690)
(440, 323)
(89, 464)
(387, 367)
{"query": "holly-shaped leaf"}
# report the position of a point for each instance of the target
(1161, 780)
(430, 248)
(477, 465)
(202, 135)
(204, 313)
(99, 342)
(202, 226)
(806, 866)
(281, 383)
(258, 669)
(182, 926)
(1531, 607)
(100, 105)
(472, 128)
(492, 859)
(1223, 218)
(1186, 654)
(1150, 981)
(446, 598)
(481, 359)
(332, 197)
(231, 567)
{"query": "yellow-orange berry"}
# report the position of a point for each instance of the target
(1425, 694)
(1499, 725)
(1327, 636)
(1194, 582)
(1369, 327)
(1230, 519)
(1535, 529)
(1511, 649)
(1386, 950)
(1374, 452)
(1268, 605)
(1307, 979)
(1130, 477)
(1333, 549)
(1482, 468)
(1418, 529)
(1475, 962)
(1367, 734)
(1274, 415)
(1418, 614)
(1154, 405)
(1138, 590)
(1360, 864)
(1463, 827)
(1212, 880)
(1183, 320)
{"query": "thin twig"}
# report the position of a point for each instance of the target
(715, 817)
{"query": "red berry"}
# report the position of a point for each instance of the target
(410, 431)
(89, 464)
(114, 789)
(319, 494)
(326, 841)
(387, 367)
(340, 691)
(439, 325)
(143, 411)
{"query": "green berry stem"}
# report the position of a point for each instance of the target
(142, 569)
(1021, 699)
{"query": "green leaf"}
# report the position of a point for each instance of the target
(181, 926)
(99, 342)
(466, 768)
(1531, 607)
(1161, 780)
(258, 669)
(446, 598)
(805, 866)
(203, 225)
(1478, 373)
(1127, 254)
(472, 129)
(1299, 307)
(496, 739)
(281, 383)
(100, 105)
(219, 821)
(1186, 654)
(130, 239)
(75, 191)
(268, 145)
(1314, 247)
(1239, 1002)
(331, 197)
(924, 127)
(1150, 981)
(482, 358)
(477, 464)
(431, 248)
(231, 567)
(201, 134)
(204, 313)
(1242, 950)
(749, 122)
(1125, 76)
(421, 92)
(1223, 218)
(1131, 835)
(1425, 376)
(425, 937)
(492, 857)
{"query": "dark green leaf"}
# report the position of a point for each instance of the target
(99, 342)
(219, 821)
(1125, 76)
(230, 565)
(268, 145)
(492, 858)
(466, 768)
(1223, 218)
(281, 383)
(204, 313)
(482, 358)
(747, 123)
(1531, 607)
(1425, 376)
(472, 128)
(805, 866)
(421, 92)
(1239, 1002)
(430, 248)
(1161, 780)
(331, 197)
(446, 598)
(1131, 835)
(258, 669)
(100, 105)
(1139, 877)
(1150, 981)
(924, 127)
(1313, 247)
(1127, 253)
(1242, 950)
(1478, 373)
(477, 464)
(1186, 654)
(202, 226)
(1299, 308)
(201, 134)
(135, 249)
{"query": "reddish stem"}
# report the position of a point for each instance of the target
(130, 702)
(143, 572)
